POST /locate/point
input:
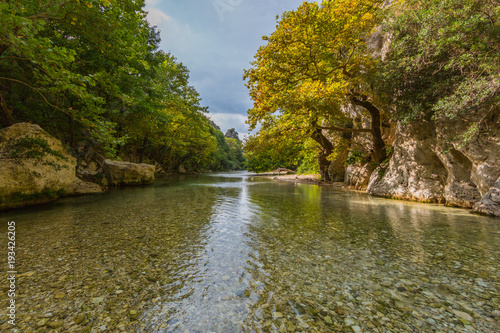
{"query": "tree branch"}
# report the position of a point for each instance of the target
(346, 130)
(379, 153)
(38, 91)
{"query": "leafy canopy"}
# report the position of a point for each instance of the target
(313, 61)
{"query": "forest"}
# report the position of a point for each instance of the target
(335, 81)
(91, 74)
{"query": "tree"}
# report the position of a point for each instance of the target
(91, 71)
(313, 65)
(444, 60)
(264, 154)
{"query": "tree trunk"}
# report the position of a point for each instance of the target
(143, 150)
(379, 153)
(324, 163)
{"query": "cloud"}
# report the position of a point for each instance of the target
(152, 3)
(156, 16)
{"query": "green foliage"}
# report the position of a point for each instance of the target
(228, 155)
(36, 148)
(33, 147)
(308, 159)
(235, 156)
(443, 64)
(443, 61)
(313, 64)
(354, 157)
(270, 149)
(91, 71)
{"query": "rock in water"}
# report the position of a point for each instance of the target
(124, 173)
(34, 166)
(490, 203)
(80, 187)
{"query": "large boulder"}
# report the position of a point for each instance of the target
(34, 166)
(414, 172)
(124, 173)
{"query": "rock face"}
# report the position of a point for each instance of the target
(232, 134)
(125, 173)
(357, 175)
(430, 165)
(34, 166)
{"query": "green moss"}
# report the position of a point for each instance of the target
(19, 199)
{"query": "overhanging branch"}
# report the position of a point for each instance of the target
(346, 130)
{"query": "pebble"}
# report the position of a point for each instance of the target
(349, 322)
(60, 295)
(278, 315)
(42, 322)
(79, 319)
(462, 315)
(97, 300)
(356, 329)
(54, 324)
(133, 314)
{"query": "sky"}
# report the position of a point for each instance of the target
(216, 40)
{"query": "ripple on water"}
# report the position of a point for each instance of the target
(225, 253)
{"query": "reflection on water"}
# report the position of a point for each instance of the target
(213, 283)
(229, 253)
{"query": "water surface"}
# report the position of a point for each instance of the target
(235, 253)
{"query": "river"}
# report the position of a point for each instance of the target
(236, 253)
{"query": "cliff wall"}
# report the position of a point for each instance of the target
(432, 163)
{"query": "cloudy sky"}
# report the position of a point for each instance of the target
(216, 40)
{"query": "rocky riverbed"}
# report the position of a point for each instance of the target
(230, 254)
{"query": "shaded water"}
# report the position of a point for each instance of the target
(231, 253)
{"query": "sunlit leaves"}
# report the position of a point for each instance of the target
(311, 64)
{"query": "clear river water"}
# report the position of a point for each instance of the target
(237, 253)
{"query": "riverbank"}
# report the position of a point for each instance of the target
(314, 179)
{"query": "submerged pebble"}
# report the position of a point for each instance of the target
(227, 254)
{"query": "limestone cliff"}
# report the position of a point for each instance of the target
(430, 164)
